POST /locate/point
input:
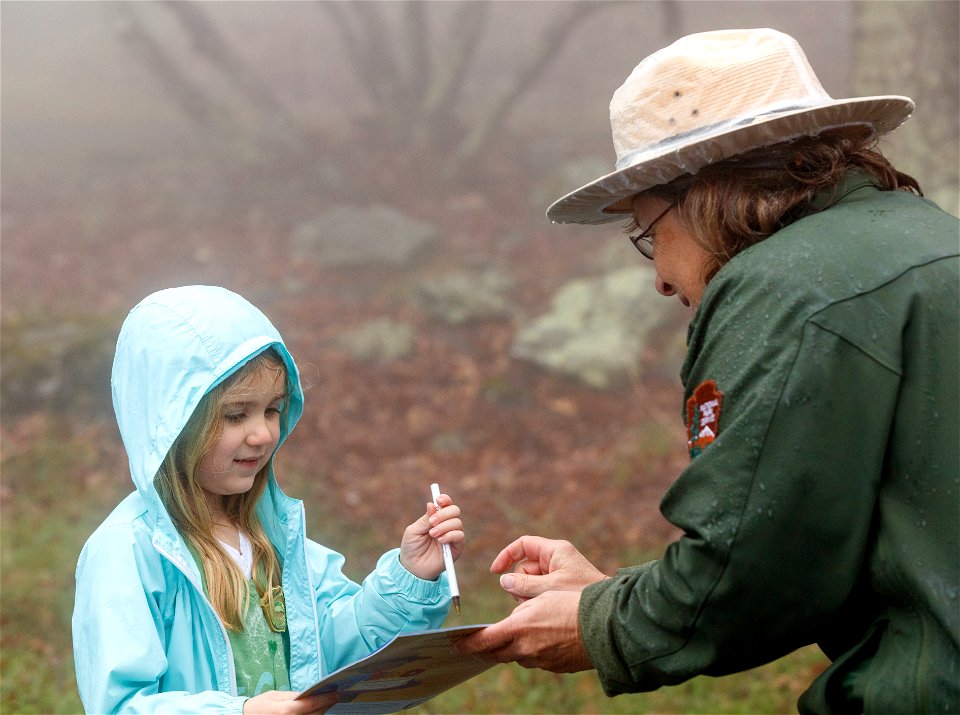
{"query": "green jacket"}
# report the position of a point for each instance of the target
(822, 503)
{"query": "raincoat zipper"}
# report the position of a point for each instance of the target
(223, 630)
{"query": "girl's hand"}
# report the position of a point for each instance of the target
(282, 702)
(420, 552)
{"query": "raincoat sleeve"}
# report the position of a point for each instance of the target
(357, 619)
(121, 621)
(775, 513)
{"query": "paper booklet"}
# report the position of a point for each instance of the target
(407, 671)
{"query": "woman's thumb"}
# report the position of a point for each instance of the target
(523, 585)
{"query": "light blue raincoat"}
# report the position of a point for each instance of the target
(145, 637)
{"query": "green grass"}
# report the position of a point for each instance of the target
(53, 496)
(512, 689)
(59, 483)
(773, 688)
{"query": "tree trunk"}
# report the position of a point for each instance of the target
(911, 48)
(276, 124)
(542, 54)
(206, 114)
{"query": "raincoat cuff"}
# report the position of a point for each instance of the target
(413, 587)
(635, 570)
(596, 616)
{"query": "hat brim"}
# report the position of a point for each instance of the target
(591, 204)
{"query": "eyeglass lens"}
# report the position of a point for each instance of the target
(643, 242)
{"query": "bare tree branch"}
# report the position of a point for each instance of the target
(378, 52)
(672, 20)
(413, 76)
(468, 26)
(209, 43)
(196, 104)
(924, 147)
(358, 45)
(418, 38)
(546, 50)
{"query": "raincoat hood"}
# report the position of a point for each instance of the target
(174, 347)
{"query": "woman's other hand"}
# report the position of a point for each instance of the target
(540, 565)
(542, 632)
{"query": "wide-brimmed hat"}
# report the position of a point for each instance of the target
(708, 97)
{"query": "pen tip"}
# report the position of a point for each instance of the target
(456, 604)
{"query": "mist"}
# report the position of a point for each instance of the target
(374, 176)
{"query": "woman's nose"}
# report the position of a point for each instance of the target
(664, 288)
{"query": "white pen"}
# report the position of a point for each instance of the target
(447, 556)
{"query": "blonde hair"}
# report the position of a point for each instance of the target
(184, 500)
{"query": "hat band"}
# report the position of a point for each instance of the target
(638, 155)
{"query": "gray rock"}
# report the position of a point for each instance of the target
(596, 329)
(465, 296)
(348, 235)
(380, 340)
(62, 363)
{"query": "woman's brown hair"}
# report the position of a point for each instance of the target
(735, 203)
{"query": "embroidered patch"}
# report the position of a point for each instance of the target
(703, 416)
(278, 619)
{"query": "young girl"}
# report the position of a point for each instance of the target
(200, 592)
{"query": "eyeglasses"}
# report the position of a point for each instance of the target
(643, 241)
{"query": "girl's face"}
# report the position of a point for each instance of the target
(249, 424)
(678, 258)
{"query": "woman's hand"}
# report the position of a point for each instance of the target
(420, 551)
(542, 632)
(546, 576)
(540, 565)
(282, 702)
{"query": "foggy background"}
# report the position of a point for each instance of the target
(272, 120)
(374, 177)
